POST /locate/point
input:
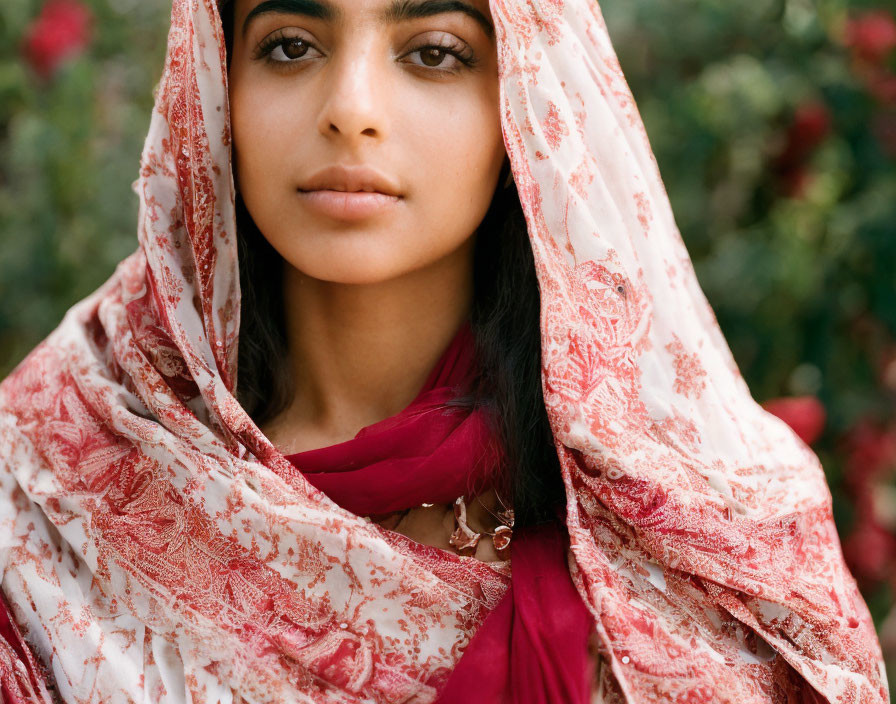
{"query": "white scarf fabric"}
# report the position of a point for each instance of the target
(154, 545)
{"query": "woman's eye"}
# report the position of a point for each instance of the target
(290, 49)
(433, 56)
(443, 58)
(287, 49)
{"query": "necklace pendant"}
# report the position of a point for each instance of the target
(501, 539)
(464, 539)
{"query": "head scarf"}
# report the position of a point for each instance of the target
(155, 546)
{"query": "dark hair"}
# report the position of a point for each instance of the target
(505, 323)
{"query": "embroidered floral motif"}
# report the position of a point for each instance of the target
(690, 377)
(152, 534)
(553, 127)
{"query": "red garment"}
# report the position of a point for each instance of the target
(25, 683)
(429, 452)
(532, 648)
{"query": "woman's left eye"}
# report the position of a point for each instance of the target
(434, 56)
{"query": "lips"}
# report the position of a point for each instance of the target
(351, 179)
(350, 193)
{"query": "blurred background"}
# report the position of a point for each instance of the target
(774, 125)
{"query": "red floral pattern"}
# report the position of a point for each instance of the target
(156, 547)
(701, 527)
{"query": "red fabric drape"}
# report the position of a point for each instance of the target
(429, 452)
(532, 649)
(21, 679)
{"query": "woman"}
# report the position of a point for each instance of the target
(176, 531)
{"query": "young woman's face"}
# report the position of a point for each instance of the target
(332, 98)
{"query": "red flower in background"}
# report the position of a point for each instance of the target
(869, 550)
(810, 125)
(60, 31)
(871, 39)
(870, 547)
(805, 414)
(871, 36)
(870, 450)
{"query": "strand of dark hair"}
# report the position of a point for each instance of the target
(506, 327)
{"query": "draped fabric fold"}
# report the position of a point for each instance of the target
(700, 524)
(532, 648)
(430, 452)
(23, 679)
(155, 546)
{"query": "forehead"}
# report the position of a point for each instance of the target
(383, 11)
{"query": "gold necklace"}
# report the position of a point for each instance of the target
(465, 540)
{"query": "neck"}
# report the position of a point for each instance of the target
(361, 352)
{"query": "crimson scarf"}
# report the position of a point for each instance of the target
(532, 648)
(430, 452)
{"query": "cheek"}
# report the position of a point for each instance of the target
(461, 149)
(259, 135)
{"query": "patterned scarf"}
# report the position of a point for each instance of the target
(155, 546)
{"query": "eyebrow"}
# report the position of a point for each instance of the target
(398, 11)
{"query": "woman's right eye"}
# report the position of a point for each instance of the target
(286, 50)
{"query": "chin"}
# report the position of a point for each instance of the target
(367, 256)
(354, 267)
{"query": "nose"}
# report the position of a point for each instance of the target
(356, 95)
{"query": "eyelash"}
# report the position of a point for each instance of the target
(461, 52)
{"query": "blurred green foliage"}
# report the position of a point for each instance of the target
(69, 151)
(776, 144)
